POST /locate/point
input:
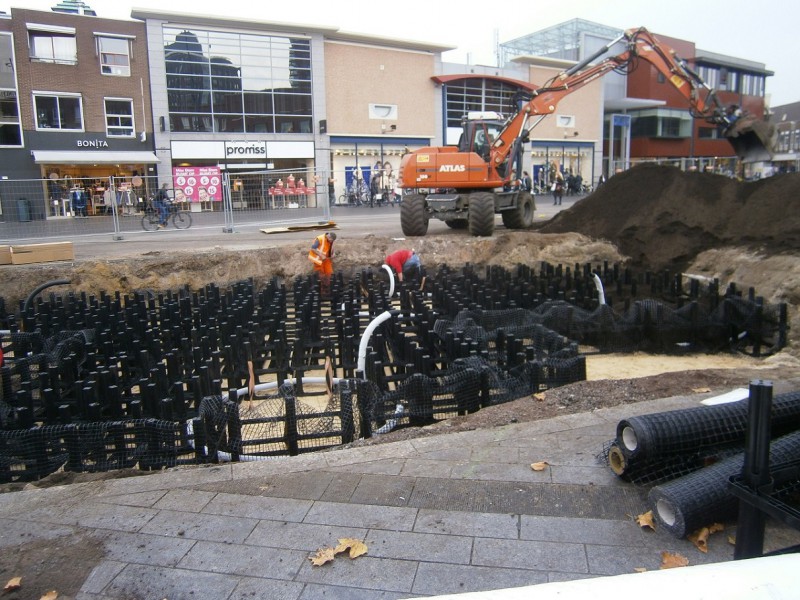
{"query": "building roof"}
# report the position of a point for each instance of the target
(443, 79)
(362, 38)
(329, 32)
(186, 18)
(785, 112)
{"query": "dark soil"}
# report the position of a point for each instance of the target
(662, 217)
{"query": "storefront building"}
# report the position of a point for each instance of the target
(76, 107)
(382, 103)
(238, 98)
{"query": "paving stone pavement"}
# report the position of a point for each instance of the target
(447, 514)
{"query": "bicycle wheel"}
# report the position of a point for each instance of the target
(182, 220)
(150, 221)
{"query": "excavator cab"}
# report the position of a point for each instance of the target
(480, 132)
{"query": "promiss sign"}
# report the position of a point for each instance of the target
(245, 150)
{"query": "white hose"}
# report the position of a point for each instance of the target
(271, 385)
(601, 295)
(391, 279)
(225, 456)
(362, 346)
(399, 409)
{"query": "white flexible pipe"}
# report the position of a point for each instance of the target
(225, 456)
(391, 279)
(601, 295)
(399, 409)
(271, 385)
(362, 346)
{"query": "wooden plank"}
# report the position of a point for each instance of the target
(305, 227)
(35, 253)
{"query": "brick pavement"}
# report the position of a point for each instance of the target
(447, 514)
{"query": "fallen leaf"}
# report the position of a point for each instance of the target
(540, 466)
(702, 390)
(700, 539)
(51, 595)
(716, 527)
(670, 560)
(732, 540)
(356, 547)
(13, 584)
(539, 396)
(322, 556)
(646, 520)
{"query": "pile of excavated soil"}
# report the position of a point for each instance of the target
(662, 217)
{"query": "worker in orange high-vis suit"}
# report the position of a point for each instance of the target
(321, 256)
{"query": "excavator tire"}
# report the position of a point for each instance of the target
(413, 218)
(481, 214)
(457, 223)
(520, 217)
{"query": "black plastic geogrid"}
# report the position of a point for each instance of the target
(463, 342)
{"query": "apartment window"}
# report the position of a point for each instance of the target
(119, 117)
(10, 126)
(52, 44)
(114, 53)
(58, 111)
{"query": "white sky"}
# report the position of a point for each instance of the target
(739, 28)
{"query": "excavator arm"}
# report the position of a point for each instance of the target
(751, 139)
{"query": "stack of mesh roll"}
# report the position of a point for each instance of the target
(685, 504)
(652, 448)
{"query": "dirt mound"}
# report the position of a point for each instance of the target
(663, 217)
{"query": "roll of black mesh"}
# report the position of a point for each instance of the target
(692, 429)
(685, 504)
(657, 470)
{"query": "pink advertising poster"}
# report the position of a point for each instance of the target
(197, 184)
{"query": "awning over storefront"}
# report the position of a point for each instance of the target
(64, 157)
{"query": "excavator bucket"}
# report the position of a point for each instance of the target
(753, 140)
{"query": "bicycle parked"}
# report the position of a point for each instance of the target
(151, 220)
(357, 194)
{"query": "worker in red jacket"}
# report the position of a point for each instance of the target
(404, 262)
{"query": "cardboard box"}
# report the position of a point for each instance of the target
(5, 255)
(35, 253)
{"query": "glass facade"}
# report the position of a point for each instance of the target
(220, 82)
(479, 94)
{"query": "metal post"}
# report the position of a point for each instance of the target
(112, 191)
(227, 204)
(755, 471)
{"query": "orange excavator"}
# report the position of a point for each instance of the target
(466, 185)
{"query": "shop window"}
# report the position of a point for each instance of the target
(114, 53)
(119, 117)
(53, 46)
(58, 112)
